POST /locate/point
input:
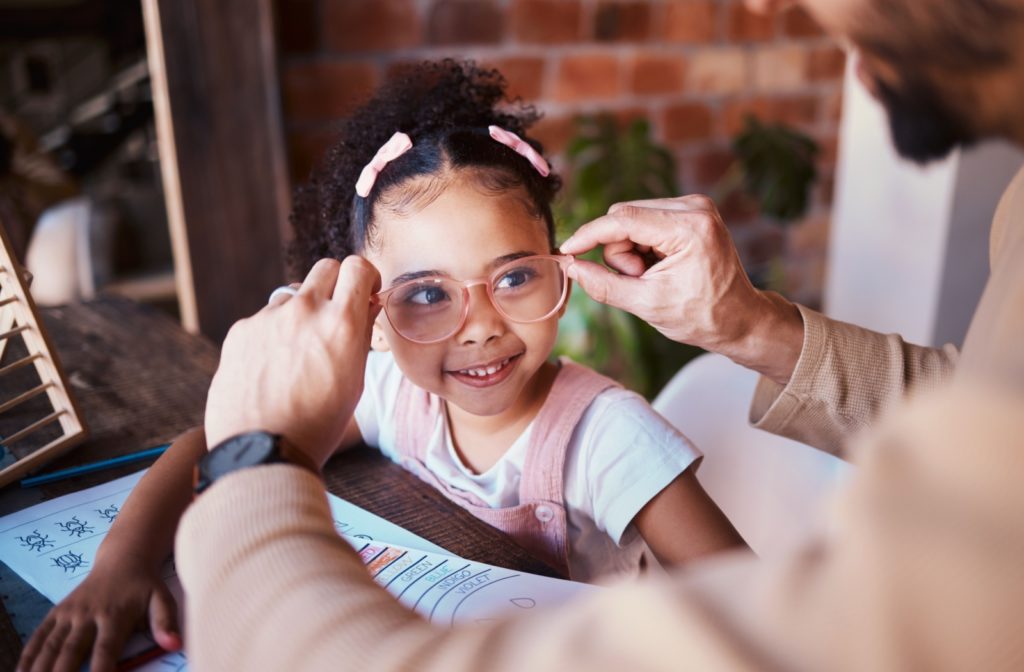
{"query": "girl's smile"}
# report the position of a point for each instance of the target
(488, 374)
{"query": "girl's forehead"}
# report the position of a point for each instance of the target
(461, 231)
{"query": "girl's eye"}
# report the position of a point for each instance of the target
(425, 295)
(515, 278)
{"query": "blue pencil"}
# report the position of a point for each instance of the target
(94, 466)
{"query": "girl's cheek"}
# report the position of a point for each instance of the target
(541, 337)
(422, 364)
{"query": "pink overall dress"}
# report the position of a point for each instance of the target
(538, 523)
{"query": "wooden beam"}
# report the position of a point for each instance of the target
(217, 104)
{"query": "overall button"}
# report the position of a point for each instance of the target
(544, 513)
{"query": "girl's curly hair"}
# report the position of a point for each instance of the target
(445, 107)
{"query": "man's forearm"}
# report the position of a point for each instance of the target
(771, 341)
(845, 378)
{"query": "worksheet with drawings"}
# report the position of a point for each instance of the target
(447, 589)
(53, 545)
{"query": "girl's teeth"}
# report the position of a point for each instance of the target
(490, 370)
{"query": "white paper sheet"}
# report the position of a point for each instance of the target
(52, 546)
(447, 589)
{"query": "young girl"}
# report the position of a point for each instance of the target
(453, 207)
(434, 183)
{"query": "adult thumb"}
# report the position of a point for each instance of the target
(163, 619)
(358, 279)
(604, 286)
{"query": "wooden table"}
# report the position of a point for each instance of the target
(140, 380)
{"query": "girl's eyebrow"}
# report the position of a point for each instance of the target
(495, 263)
(415, 275)
(506, 258)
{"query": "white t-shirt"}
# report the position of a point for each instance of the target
(621, 454)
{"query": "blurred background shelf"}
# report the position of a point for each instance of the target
(141, 153)
(152, 288)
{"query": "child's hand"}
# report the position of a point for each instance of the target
(99, 616)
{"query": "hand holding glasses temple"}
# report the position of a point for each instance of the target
(433, 308)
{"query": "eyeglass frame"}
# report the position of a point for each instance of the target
(564, 260)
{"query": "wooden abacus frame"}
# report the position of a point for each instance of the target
(18, 315)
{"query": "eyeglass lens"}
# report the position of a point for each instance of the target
(431, 309)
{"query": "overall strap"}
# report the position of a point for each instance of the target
(574, 389)
(416, 414)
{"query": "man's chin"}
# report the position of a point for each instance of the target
(923, 129)
(923, 152)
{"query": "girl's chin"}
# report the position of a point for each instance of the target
(486, 401)
(478, 404)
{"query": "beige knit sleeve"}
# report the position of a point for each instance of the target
(845, 378)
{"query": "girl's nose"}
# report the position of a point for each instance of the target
(483, 321)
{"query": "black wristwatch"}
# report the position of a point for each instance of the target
(241, 451)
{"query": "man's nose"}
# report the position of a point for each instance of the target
(768, 6)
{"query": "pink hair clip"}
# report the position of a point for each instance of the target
(397, 144)
(521, 147)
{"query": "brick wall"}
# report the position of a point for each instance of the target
(693, 67)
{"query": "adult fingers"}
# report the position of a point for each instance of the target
(35, 644)
(321, 279)
(637, 227)
(687, 203)
(662, 230)
(357, 280)
(625, 257)
(76, 646)
(110, 640)
(600, 284)
(163, 619)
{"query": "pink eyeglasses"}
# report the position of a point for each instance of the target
(433, 308)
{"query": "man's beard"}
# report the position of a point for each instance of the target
(923, 127)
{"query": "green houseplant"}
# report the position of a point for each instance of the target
(610, 162)
(775, 164)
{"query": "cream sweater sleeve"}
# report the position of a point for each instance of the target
(921, 570)
(845, 377)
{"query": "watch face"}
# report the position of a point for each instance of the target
(237, 452)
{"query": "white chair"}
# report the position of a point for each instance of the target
(772, 489)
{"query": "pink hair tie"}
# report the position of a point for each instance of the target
(398, 144)
(521, 147)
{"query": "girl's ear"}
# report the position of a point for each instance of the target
(377, 340)
(565, 304)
